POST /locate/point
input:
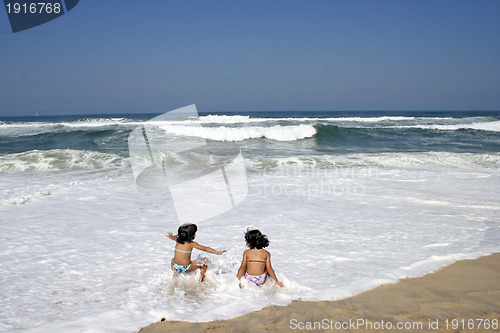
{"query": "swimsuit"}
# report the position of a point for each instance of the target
(257, 279)
(256, 261)
(183, 251)
(181, 268)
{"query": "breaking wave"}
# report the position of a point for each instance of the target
(387, 160)
(60, 160)
(223, 133)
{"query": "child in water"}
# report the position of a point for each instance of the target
(256, 263)
(181, 262)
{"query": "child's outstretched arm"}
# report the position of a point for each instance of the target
(270, 271)
(207, 249)
(172, 237)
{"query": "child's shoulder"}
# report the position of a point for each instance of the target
(186, 244)
(249, 251)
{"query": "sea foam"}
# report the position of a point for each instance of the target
(93, 254)
(493, 126)
(59, 159)
(223, 133)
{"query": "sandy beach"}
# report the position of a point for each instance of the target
(462, 297)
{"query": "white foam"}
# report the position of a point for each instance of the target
(223, 133)
(267, 129)
(385, 160)
(372, 119)
(493, 126)
(224, 119)
(16, 129)
(59, 159)
(237, 119)
(93, 256)
(98, 122)
(434, 123)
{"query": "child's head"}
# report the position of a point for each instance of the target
(255, 239)
(186, 233)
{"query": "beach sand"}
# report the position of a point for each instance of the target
(463, 293)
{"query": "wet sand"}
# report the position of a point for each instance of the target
(462, 297)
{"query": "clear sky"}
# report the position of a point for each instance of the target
(124, 56)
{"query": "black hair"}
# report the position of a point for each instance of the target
(186, 232)
(255, 239)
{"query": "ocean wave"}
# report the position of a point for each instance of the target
(60, 160)
(384, 160)
(262, 126)
(492, 126)
(226, 119)
(235, 119)
(97, 122)
(21, 129)
(223, 133)
(17, 129)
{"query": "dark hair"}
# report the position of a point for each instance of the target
(186, 232)
(255, 239)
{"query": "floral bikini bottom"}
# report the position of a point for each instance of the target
(257, 279)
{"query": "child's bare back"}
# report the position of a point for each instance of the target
(256, 262)
(181, 262)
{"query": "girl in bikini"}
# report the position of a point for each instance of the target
(256, 263)
(181, 262)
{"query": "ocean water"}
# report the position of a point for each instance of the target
(349, 201)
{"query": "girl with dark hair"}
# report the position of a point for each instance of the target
(256, 263)
(181, 262)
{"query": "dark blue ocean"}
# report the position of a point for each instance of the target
(270, 133)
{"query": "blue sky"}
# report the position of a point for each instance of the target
(153, 56)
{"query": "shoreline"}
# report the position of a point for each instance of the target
(461, 297)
